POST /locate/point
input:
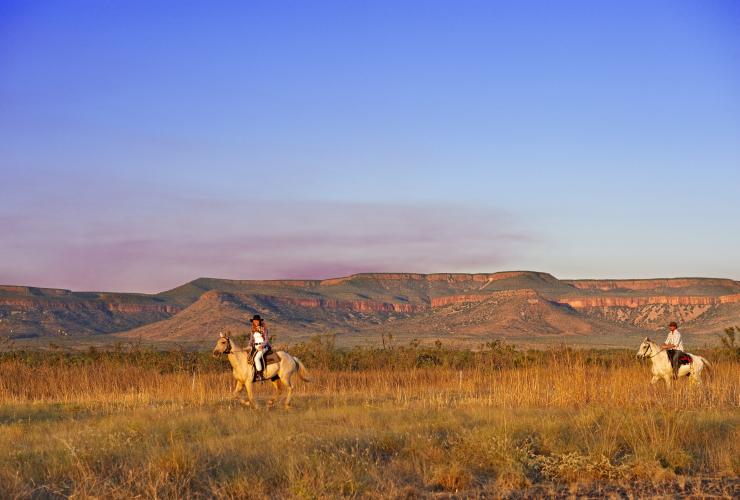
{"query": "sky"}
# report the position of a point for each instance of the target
(145, 144)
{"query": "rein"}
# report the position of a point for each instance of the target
(651, 357)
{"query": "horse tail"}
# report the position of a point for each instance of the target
(707, 364)
(302, 371)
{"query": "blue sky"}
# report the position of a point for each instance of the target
(143, 144)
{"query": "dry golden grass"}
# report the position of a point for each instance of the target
(119, 430)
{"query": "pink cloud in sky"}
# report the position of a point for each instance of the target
(121, 251)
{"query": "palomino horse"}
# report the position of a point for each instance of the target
(661, 367)
(243, 370)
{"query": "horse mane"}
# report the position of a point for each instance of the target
(234, 346)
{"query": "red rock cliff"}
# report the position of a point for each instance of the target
(348, 305)
(650, 284)
(633, 302)
(465, 299)
(47, 304)
(450, 277)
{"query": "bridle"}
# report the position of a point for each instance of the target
(228, 346)
(650, 347)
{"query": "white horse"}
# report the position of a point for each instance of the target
(661, 364)
(243, 369)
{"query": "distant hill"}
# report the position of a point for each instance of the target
(371, 306)
(29, 311)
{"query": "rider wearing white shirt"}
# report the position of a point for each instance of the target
(674, 345)
(259, 341)
(673, 340)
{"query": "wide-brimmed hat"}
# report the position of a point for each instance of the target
(256, 317)
(673, 323)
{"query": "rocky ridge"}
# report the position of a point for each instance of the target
(504, 303)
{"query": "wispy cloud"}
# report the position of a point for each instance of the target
(178, 241)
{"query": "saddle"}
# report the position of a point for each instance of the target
(269, 358)
(683, 358)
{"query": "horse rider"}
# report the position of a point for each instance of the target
(260, 344)
(674, 345)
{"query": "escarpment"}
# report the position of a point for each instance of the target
(675, 285)
(507, 302)
(633, 302)
(29, 311)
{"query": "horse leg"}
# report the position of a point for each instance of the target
(668, 379)
(278, 392)
(239, 387)
(695, 376)
(654, 380)
(250, 394)
(289, 385)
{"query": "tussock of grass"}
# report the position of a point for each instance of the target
(558, 424)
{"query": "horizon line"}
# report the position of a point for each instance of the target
(354, 275)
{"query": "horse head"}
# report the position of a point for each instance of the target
(645, 348)
(223, 345)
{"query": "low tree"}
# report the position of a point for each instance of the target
(729, 341)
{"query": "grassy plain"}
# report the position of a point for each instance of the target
(495, 423)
